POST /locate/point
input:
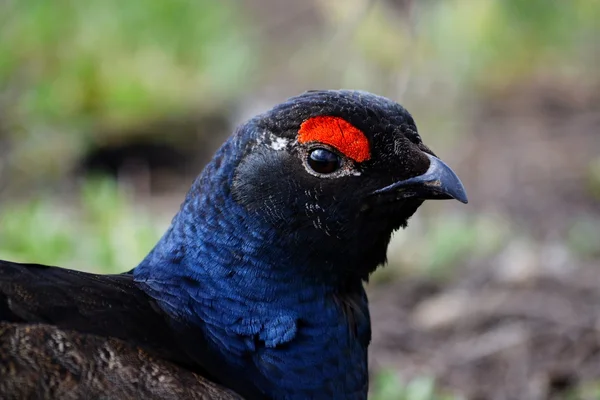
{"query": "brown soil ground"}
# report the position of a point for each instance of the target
(487, 339)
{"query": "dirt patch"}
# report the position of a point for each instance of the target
(530, 150)
(486, 338)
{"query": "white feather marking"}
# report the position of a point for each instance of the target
(279, 143)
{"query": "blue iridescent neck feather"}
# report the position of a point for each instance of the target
(264, 309)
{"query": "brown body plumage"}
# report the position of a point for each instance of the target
(42, 362)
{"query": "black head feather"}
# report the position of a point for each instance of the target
(333, 218)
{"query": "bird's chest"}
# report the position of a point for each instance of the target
(310, 350)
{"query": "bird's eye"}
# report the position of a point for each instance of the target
(324, 161)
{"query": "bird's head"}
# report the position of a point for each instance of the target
(335, 173)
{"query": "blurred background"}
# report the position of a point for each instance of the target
(108, 110)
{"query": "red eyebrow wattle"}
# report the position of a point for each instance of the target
(338, 133)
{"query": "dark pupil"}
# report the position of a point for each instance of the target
(323, 161)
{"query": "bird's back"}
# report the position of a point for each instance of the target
(104, 305)
(42, 361)
(69, 334)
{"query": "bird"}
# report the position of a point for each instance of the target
(258, 283)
